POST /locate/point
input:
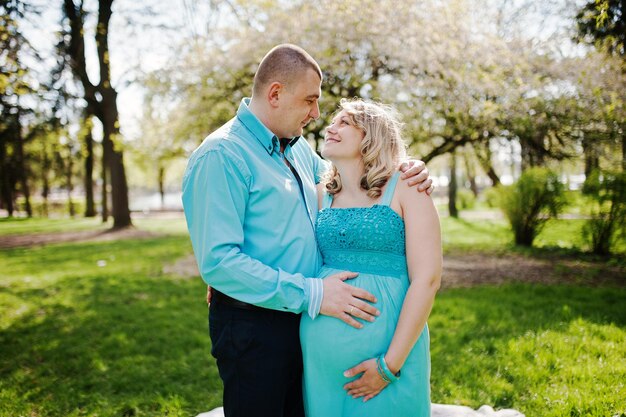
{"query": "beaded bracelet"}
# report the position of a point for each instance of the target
(384, 371)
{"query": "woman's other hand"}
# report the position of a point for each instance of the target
(369, 385)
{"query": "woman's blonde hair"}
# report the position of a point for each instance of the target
(382, 147)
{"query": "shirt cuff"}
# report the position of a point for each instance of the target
(316, 294)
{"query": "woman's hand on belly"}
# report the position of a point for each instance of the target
(369, 385)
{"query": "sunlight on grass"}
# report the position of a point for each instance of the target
(174, 225)
(121, 337)
(492, 235)
(496, 236)
(98, 329)
(545, 350)
(20, 226)
(580, 369)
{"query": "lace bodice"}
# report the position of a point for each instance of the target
(369, 238)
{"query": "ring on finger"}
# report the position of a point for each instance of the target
(351, 310)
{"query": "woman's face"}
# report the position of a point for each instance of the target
(342, 140)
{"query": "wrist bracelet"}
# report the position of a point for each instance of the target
(384, 371)
(381, 372)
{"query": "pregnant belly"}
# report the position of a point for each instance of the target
(342, 346)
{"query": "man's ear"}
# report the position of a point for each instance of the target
(274, 92)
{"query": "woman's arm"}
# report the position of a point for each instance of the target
(424, 262)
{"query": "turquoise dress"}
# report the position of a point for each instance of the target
(370, 241)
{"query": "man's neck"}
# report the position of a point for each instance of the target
(262, 113)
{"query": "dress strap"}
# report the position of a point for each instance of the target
(390, 189)
(327, 200)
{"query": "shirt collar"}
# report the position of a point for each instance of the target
(266, 138)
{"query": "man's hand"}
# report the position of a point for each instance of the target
(417, 173)
(346, 302)
(369, 385)
(208, 295)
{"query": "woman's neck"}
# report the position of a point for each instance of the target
(351, 174)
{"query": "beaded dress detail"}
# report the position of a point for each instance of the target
(370, 241)
(342, 248)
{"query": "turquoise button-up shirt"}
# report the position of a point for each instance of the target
(253, 233)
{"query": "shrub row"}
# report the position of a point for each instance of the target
(538, 195)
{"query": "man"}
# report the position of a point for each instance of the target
(250, 203)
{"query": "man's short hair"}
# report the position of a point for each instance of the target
(283, 64)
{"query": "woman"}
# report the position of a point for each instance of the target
(374, 225)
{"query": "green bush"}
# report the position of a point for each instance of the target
(52, 208)
(465, 199)
(606, 195)
(491, 196)
(537, 196)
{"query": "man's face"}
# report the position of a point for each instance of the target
(299, 104)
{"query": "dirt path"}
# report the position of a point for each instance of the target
(469, 269)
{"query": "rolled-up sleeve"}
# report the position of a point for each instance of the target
(215, 197)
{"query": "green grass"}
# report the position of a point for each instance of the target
(176, 225)
(97, 329)
(545, 350)
(495, 236)
(485, 235)
(21, 226)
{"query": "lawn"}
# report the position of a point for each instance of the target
(97, 329)
(21, 226)
(545, 350)
(561, 235)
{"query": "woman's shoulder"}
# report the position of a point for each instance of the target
(410, 197)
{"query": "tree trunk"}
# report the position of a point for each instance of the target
(452, 188)
(119, 188)
(68, 181)
(483, 154)
(45, 190)
(101, 101)
(105, 180)
(6, 187)
(46, 165)
(7, 197)
(531, 149)
(471, 174)
(21, 167)
(590, 152)
(90, 208)
(161, 180)
(624, 143)
(110, 120)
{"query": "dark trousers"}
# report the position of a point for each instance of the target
(259, 360)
